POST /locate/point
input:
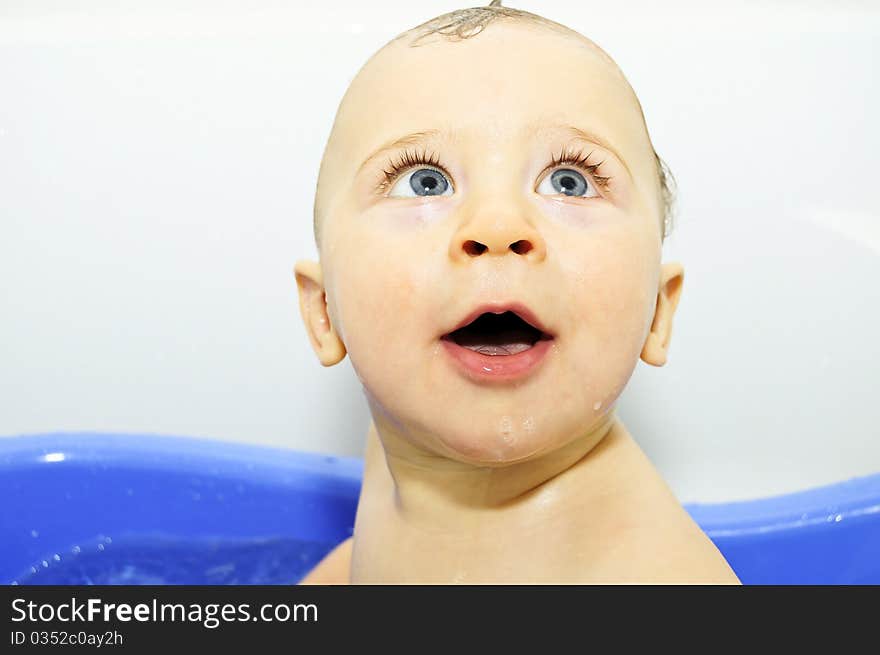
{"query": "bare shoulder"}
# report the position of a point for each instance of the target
(671, 548)
(686, 557)
(653, 539)
(334, 569)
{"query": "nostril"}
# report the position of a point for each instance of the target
(521, 247)
(474, 248)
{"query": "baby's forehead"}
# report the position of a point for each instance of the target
(505, 79)
(491, 89)
(506, 37)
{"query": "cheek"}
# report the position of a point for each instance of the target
(611, 286)
(376, 299)
(615, 296)
(609, 262)
(373, 297)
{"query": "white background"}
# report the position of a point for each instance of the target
(157, 170)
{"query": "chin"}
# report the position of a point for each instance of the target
(503, 445)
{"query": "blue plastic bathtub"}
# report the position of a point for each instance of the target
(91, 508)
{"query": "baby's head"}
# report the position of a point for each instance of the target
(488, 161)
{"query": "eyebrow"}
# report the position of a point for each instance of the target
(534, 128)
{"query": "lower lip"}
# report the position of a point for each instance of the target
(501, 368)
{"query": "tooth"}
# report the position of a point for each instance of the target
(499, 349)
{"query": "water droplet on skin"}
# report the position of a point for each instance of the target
(506, 424)
(529, 424)
(597, 405)
(506, 429)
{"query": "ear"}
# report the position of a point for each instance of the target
(657, 344)
(313, 308)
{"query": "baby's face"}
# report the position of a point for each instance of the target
(475, 210)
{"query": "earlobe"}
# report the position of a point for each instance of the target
(656, 345)
(326, 343)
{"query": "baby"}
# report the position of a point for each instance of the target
(490, 215)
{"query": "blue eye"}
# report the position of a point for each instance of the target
(568, 182)
(419, 175)
(421, 182)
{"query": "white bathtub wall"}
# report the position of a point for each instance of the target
(157, 169)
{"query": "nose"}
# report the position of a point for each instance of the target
(498, 233)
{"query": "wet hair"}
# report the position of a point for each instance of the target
(466, 23)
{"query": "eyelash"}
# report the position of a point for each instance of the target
(567, 156)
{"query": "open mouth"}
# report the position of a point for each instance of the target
(497, 334)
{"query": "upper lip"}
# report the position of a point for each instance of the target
(499, 307)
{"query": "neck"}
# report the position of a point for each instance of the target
(439, 494)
